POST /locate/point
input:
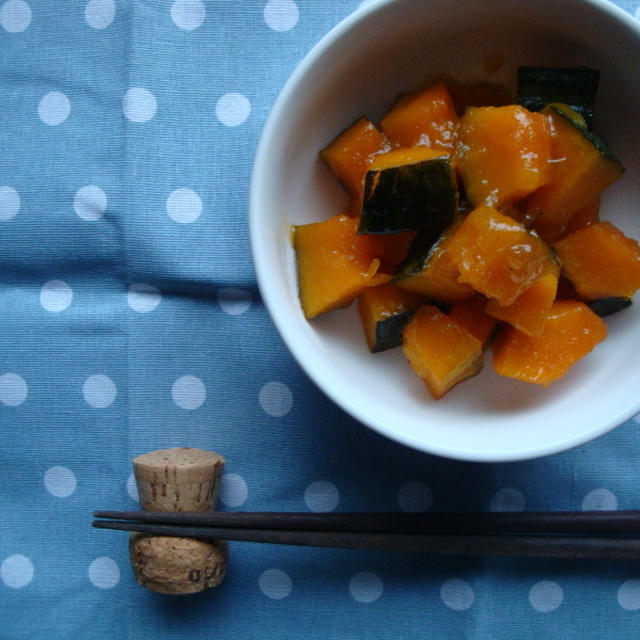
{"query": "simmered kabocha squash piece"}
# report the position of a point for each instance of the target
(581, 168)
(349, 155)
(551, 232)
(573, 86)
(528, 312)
(470, 314)
(408, 190)
(429, 269)
(427, 118)
(600, 261)
(395, 247)
(440, 351)
(503, 154)
(384, 310)
(334, 264)
(571, 331)
(497, 256)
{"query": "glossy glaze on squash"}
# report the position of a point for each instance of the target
(570, 332)
(430, 270)
(440, 351)
(581, 168)
(528, 312)
(503, 155)
(349, 155)
(600, 261)
(334, 264)
(497, 256)
(423, 118)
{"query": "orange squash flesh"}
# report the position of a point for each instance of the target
(383, 311)
(529, 311)
(570, 332)
(394, 249)
(438, 279)
(580, 170)
(426, 118)
(471, 315)
(334, 264)
(349, 155)
(600, 261)
(497, 256)
(551, 232)
(440, 351)
(504, 154)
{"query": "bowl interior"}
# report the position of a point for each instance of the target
(358, 69)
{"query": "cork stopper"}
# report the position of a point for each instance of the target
(180, 479)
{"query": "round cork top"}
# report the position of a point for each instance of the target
(178, 465)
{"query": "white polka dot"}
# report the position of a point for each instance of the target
(599, 500)
(13, 389)
(629, 595)
(365, 587)
(143, 298)
(15, 16)
(507, 499)
(16, 571)
(281, 15)
(275, 584)
(188, 14)
(139, 105)
(99, 391)
(457, 594)
(321, 496)
(188, 392)
(90, 202)
(104, 573)
(9, 202)
(233, 490)
(60, 481)
(415, 497)
(132, 488)
(54, 108)
(276, 399)
(234, 301)
(184, 206)
(233, 109)
(546, 596)
(55, 296)
(99, 14)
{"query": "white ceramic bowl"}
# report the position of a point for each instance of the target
(391, 46)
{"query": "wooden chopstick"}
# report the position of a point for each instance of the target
(549, 546)
(532, 522)
(555, 534)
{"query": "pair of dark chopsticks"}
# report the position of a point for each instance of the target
(559, 534)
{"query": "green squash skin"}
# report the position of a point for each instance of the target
(417, 255)
(389, 331)
(409, 198)
(597, 142)
(608, 306)
(574, 86)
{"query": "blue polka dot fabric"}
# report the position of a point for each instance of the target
(130, 321)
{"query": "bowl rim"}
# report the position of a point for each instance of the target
(270, 297)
